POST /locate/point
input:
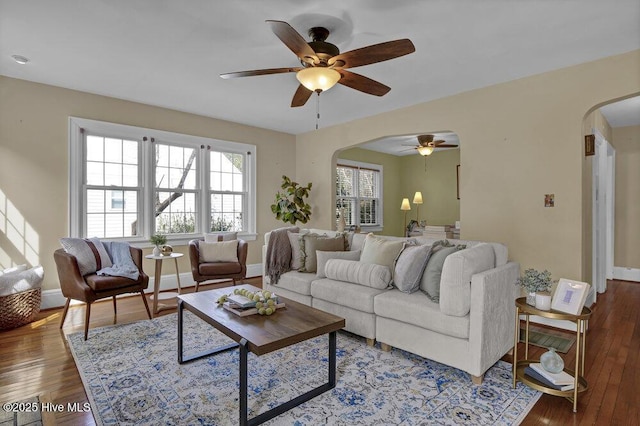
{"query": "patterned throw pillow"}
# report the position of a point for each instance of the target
(89, 253)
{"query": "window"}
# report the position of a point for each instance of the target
(129, 183)
(359, 193)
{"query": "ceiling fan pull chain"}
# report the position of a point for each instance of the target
(317, 109)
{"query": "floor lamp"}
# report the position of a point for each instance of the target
(405, 207)
(417, 200)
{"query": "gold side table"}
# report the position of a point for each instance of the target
(581, 320)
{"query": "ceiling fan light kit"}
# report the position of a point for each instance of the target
(318, 79)
(425, 150)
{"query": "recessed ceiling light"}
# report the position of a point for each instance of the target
(20, 59)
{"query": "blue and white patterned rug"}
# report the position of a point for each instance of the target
(131, 375)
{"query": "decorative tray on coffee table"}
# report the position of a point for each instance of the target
(242, 306)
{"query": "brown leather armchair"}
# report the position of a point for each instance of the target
(92, 287)
(206, 271)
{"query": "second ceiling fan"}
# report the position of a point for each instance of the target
(323, 65)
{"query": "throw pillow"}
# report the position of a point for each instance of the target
(214, 237)
(381, 251)
(89, 253)
(430, 282)
(223, 251)
(310, 243)
(352, 271)
(324, 256)
(410, 268)
(296, 253)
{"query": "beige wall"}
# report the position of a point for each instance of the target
(34, 164)
(434, 176)
(626, 141)
(522, 139)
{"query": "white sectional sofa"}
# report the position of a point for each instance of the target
(469, 328)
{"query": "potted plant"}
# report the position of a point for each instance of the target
(290, 205)
(533, 282)
(158, 240)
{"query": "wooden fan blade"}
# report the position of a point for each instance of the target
(372, 54)
(294, 41)
(259, 72)
(301, 96)
(442, 145)
(362, 83)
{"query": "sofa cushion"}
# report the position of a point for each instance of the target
(381, 251)
(309, 243)
(365, 274)
(418, 310)
(296, 281)
(324, 256)
(430, 282)
(347, 294)
(455, 284)
(410, 267)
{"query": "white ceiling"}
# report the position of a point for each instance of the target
(623, 113)
(170, 53)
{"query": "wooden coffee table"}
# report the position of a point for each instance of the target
(261, 334)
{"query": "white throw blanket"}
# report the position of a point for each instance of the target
(123, 264)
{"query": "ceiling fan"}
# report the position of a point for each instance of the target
(323, 65)
(426, 144)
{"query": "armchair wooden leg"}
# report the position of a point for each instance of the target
(146, 304)
(115, 310)
(197, 286)
(64, 312)
(234, 281)
(87, 314)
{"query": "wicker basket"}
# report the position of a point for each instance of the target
(20, 308)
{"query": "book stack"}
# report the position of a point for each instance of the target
(560, 381)
(437, 231)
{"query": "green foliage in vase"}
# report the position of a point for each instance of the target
(290, 205)
(534, 280)
(158, 240)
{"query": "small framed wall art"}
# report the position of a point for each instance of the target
(570, 296)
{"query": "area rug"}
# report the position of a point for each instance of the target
(131, 376)
(548, 338)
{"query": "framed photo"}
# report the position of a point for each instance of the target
(570, 296)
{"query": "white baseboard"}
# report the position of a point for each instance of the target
(55, 299)
(626, 274)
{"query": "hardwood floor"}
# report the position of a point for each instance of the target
(35, 360)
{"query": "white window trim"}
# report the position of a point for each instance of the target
(76, 209)
(379, 168)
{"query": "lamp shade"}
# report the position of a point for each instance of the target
(405, 204)
(425, 150)
(417, 199)
(318, 78)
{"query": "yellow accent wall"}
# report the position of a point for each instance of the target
(434, 176)
(34, 165)
(520, 140)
